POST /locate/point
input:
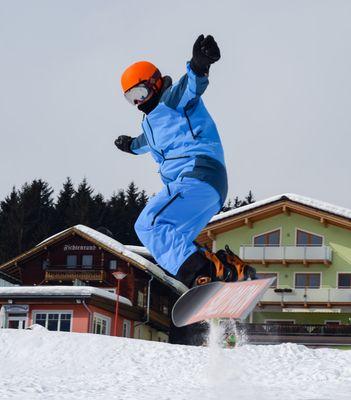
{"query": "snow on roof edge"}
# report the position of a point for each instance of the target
(61, 291)
(321, 205)
(138, 249)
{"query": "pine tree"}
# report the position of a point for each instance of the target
(143, 198)
(237, 202)
(11, 227)
(37, 212)
(64, 206)
(99, 211)
(133, 211)
(227, 206)
(116, 215)
(82, 204)
(249, 199)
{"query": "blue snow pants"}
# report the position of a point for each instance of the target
(173, 219)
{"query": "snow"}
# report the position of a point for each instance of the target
(38, 364)
(61, 291)
(139, 250)
(318, 204)
(118, 247)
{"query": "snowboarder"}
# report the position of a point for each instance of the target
(183, 139)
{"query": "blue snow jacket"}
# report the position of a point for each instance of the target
(182, 137)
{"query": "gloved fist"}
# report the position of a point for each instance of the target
(124, 142)
(205, 53)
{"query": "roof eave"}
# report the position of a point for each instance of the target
(274, 208)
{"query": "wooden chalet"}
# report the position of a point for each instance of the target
(84, 258)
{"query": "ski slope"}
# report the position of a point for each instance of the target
(55, 366)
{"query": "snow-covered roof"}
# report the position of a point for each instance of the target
(44, 291)
(143, 251)
(117, 247)
(318, 204)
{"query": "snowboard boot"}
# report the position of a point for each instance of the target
(235, 269)
(196, 270)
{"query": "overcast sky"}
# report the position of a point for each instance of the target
(280, 95)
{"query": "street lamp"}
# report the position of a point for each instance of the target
(119, 275)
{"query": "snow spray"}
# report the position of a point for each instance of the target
(219, 364)
(225, 334)
(214, 342)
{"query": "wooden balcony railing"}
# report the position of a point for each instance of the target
(96, 275)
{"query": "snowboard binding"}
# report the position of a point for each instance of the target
(229, 267)
(205, 266)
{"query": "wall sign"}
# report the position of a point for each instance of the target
(74, 247)
(16, 308)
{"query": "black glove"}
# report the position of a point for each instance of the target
(124, 142)
(205, 53)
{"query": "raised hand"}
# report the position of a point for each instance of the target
(124, 142)
(205, 53)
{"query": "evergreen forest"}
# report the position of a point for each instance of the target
(32, 213)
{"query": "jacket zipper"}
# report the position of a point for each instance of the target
(191, 128)
(152, 132)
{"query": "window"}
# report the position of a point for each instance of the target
(140, 299)
(87, 260)
(54, 320)
(268, 239)
(305, 280)
(101, 324)
(113, 265)
(126, 328)
(308, 239)
(344, 281)
(71, 260)
(266, 275)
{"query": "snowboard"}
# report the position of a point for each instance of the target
(234, 300)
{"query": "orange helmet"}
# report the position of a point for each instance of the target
(142, 71)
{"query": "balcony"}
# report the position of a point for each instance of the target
(65, 274)
(286, 254)
(323, 296)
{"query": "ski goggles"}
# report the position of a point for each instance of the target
(138, 94)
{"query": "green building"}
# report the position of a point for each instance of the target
(305, 244)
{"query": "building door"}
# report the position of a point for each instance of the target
(16, 321)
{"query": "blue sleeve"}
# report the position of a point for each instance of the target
(139, 145)
(187, 91)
